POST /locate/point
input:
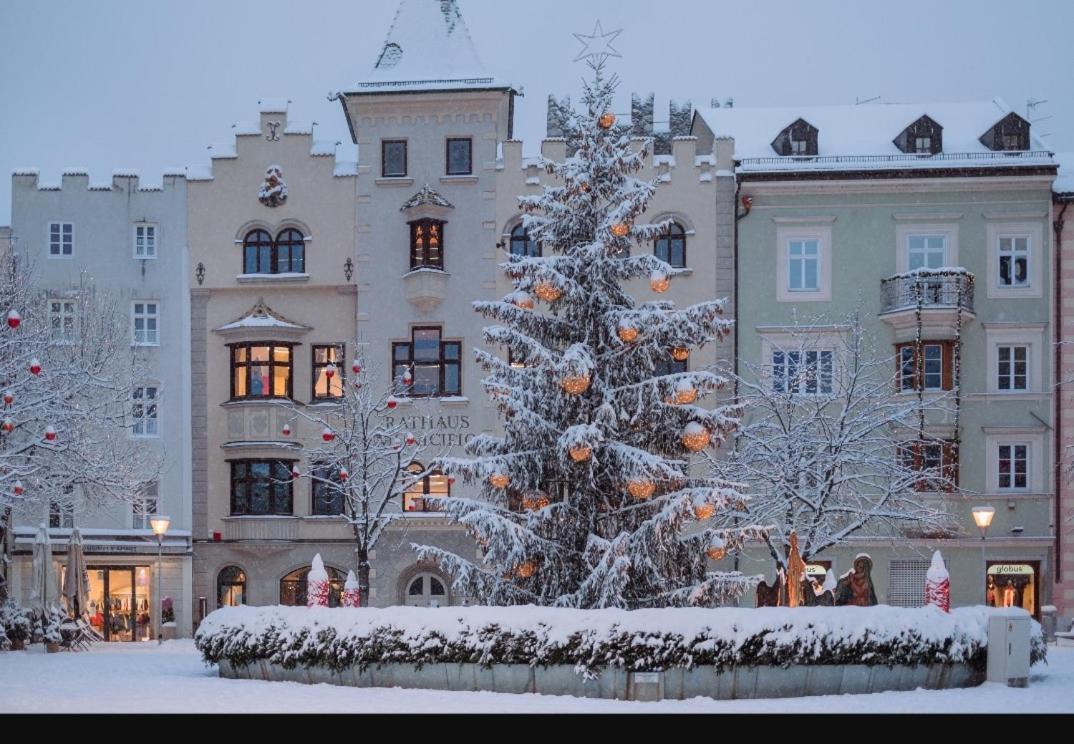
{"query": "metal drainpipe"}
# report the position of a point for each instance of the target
(738, 218)
(1058, 310)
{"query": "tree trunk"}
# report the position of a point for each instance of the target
(5, 530)
(363, 576)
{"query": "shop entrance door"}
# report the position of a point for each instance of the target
(1014, 584)
(119, 602)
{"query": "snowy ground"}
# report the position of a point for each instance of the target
(172, 679)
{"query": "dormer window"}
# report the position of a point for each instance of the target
(1010, 134)
(427, 244)
(799, 140)
(923, 137)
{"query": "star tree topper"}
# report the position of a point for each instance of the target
(597, 46)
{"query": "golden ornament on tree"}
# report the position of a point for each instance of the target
(716, 554)
(680, 354)
(641, 488)
(547, 291)
(575, 384)
(659, 283)
(523, 301)
(620, 229)
(704, 511)
(628, 334)
(685, 393)
(606, 120)
(584, 187)
(696, 437)
(535, 501)
(580, 452)
(526, 570)
(499, 481)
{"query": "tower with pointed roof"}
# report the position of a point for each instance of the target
(430, 121)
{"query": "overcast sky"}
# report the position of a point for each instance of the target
(149, 84)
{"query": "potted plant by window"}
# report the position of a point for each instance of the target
(15, 625)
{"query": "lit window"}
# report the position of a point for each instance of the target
(144, 412)
(427, 244)
(294, 587)
(418, 490)
(146, 323)
(231, 587)
(145, 241)
(261, 371)
(61, 239)
(323, 387)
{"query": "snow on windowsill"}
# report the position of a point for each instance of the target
(271, 278)
(394, 181)
(471, 178)
(426, 270)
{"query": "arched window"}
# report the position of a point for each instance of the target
(294, 587)
(671, 246)
(231, 587)
(290, 252)
(434, 484)
(285, 255)
(426, 590)
(257, 253)
(521, 245)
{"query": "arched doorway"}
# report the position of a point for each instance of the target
(231, 587)
(426, 589)
(294, 587)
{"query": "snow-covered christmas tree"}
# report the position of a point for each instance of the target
(589, 496)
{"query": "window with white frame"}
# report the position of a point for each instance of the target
(1013, 368)
(61, 239)
(1014, 261)
(144, 412)
(803, 267)
(146, 506)
(145, 241)
(802, 372)
(62, 321)
(1013, 467)
(926, 252)
(146, 317)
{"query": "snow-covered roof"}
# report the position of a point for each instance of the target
(845, 131)
(1064, 184)
(428, 48)
(262, 316)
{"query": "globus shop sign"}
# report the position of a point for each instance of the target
(1014, 584)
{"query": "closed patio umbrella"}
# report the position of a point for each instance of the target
(45, 592)
(75, 581)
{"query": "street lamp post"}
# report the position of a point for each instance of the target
(983, 515)
(160, 526)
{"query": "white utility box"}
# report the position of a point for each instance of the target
(1008, 646)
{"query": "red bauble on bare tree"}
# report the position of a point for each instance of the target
(14, 320)
(50, 434)
(35, 367)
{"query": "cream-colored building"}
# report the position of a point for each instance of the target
(272, 235)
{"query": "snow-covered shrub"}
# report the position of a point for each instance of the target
(15, 623)
(48, 624)
(590, 640)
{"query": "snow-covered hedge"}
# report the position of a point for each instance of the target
(589, 640)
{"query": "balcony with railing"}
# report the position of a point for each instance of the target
(944, 297)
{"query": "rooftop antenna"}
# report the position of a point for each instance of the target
(1032, 104)
(863, 101)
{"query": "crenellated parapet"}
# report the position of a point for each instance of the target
(79, 180)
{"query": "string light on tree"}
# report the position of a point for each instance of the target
(575, 384)
(499, 481)
(680, 354)
(659, 282)
(696, 437)
(547, 291)
(580, 452)
(641, 488)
